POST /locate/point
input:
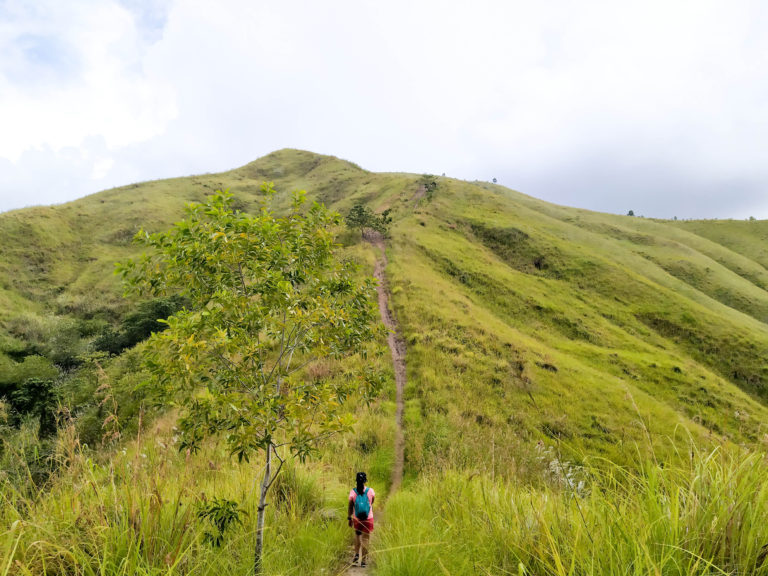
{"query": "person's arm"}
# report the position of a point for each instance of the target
(349, 512)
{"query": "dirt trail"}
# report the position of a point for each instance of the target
(397, 348)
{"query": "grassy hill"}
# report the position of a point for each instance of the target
(522, 304)
(530, 327)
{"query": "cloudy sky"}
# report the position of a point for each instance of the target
(656, 106)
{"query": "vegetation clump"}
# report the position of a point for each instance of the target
(429, 184)
(703, 516)
(139, 325)
(362, 218)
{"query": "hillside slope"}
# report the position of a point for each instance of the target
(524, 321)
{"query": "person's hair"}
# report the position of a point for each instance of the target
(361, 478)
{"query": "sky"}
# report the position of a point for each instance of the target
(657, 107)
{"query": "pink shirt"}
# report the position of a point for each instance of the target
(370, 494)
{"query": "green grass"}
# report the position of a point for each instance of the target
(585, 348)
(704, 516)
(747, 239)
(132, 509)
(530, 327)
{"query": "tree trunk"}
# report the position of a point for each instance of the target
(257, 566)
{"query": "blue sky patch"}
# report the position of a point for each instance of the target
(150, 17)
(42, 60)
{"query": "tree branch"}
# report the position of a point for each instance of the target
(234, 368)
(300, 366)
(280, 467)
(279, 360)
(299, 337)
(242, 278)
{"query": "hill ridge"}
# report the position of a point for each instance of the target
(605, 296)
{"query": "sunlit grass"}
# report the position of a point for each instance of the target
(136, 511)
(703, 516)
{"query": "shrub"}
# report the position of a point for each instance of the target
(362, 218)
(139, 325)
(37, 396)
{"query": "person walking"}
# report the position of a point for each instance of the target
(360, 516)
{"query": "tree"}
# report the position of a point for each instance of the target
(631, 213)
(429, 182)
(64, 344)
(267, 296)
(29, 387)
(382, 221)
(362, 217)
(37, 395)
(359, 217)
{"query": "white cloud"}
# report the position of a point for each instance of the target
(99, 87)
(656, 105)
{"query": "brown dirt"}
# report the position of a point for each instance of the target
(397, 348)
(420, 193)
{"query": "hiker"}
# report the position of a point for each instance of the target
(360, 516)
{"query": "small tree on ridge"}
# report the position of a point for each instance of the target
(362, 217)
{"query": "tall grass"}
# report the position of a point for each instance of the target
(136, 512)
(706, 516)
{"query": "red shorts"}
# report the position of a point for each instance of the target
(362, 526)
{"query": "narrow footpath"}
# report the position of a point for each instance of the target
(397, 348)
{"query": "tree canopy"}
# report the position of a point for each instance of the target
(267, 296)
(362, 217)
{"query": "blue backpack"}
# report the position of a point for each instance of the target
(362, 505)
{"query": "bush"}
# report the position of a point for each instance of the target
(139, 325)
(361, 217)
(64, 344)
(37, 396)
(14, 374)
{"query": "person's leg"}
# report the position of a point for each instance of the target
(366, 539)
(358, 544)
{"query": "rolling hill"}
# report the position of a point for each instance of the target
(513, 308)
(529, 327)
